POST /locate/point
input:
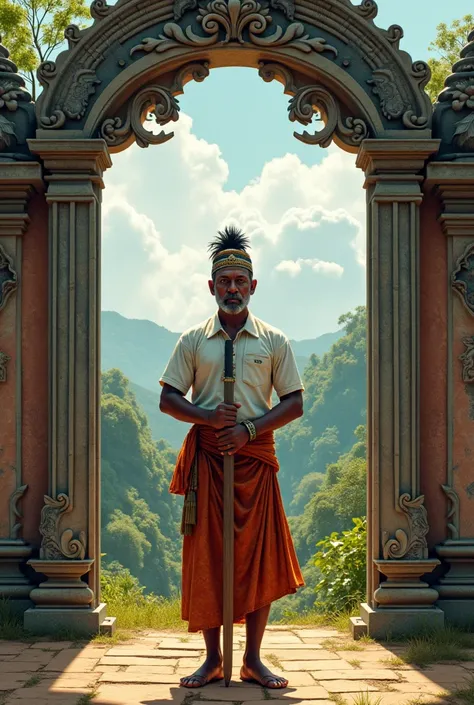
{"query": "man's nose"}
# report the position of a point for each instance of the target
(232, 287)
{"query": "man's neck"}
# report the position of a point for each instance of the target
(232, 323)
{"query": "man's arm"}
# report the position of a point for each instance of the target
(231, 440)
(174, 403)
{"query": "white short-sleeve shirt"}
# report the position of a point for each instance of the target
(263, 361)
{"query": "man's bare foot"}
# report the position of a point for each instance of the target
(211, 670)
(254, 670)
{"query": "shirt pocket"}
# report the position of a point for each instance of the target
(257, 369)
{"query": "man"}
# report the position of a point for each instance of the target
(266, 567)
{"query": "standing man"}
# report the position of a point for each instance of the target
(266, 567)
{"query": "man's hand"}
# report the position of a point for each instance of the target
(223, 416)
(231, 440)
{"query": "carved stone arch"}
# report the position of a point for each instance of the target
(138, 54)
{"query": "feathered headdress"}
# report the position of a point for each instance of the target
(229, 249)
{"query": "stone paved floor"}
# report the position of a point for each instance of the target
(323, 666)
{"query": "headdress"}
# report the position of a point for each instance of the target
(229, 249)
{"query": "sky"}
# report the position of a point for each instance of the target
(234, 160)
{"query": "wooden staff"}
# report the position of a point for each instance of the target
(228, 524)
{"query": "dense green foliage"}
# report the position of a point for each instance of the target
(447, 47)
(335, 404)
(140, 520)
(342, 564)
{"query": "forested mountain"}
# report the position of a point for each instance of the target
(335, 405)
(322, 467)
(140, 519)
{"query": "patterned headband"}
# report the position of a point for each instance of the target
(231, 258)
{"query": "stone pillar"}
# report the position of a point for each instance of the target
(18, 182)
(397, 518)
(70, 518)
(453, 183)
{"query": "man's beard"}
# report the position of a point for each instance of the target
(232, 308)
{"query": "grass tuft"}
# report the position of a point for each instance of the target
(448, 644)
(119, 636)
(34, 680)
(393, 661)
(354, 662)
(86, 698)
(158, 613)
(274, 660)
(337, 698)
(466, 694)
(11, 624)
(366, 699)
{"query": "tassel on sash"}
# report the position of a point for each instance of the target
(189, 517)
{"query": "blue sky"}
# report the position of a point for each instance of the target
(234, 159)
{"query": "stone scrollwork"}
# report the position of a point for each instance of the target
(76, 100)
(4, 359)
(309, 100)
(411, 545)
(56, 545)
(453, 512)
(15, 514)
(368, 9)
(152, 100)
(181, 6)
(233, 18)
(463, 278)
(99, 9)
(392, 103)
(8, 278)
(467, 358)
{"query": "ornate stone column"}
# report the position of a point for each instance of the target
(70, 518)
(453, 182)
(18, 182)
(397, 518)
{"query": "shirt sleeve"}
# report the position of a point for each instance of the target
(286, 378)
(179, 372)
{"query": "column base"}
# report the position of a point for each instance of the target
(459, 613)
(392, 623)
(86, 622)
(14, 586)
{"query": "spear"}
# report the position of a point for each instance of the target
(228, 524)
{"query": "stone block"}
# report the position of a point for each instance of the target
(142, 676)
(358, 628)
(459, 613)
(304, 654)
(234, 693)
(42, 620)
(51, 645)
(310, 692)
(329, 664)
(389, 623)
(136, 661)
(362, 674)
(344, 686)
(108, 626)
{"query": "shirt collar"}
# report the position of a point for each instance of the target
(214, 326)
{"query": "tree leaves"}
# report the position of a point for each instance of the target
(447, 45)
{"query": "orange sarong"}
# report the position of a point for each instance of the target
(265, 563)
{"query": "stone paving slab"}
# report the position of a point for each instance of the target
(146, 671)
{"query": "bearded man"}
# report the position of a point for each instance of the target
(265, 563)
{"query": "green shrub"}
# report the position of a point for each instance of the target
(342, 563)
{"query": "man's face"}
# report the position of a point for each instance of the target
(232, 288)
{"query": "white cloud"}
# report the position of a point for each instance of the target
(163, 205)
(294, 267)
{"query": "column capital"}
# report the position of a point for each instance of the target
(394, 159)
(18, 182)
(67, 158)
(453, 183)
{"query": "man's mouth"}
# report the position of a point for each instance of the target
(232, 301)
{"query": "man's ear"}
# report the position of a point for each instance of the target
(212, 288)
(253, 286)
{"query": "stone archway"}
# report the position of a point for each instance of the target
(136, 57)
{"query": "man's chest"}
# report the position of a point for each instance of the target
(253, 360)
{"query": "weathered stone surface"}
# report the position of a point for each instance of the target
(52, 645)
(133, 694)
(11, 647)
(19, 667)
(437, 674)
(234, 693)
(63, 662)
(34, 656)
(358, 674)
(136, 661)
(316, 665)
(345, 686)
(317, 633)
(313, 692)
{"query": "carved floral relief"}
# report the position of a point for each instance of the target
(463, 278)
(4, 359)
(459, 91)
(8, 278)
(234, 18)
(57, 545)
(411, 545)
(467, 358)
(15, 514)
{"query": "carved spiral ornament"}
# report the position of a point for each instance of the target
(411, 544)
(154, 100)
